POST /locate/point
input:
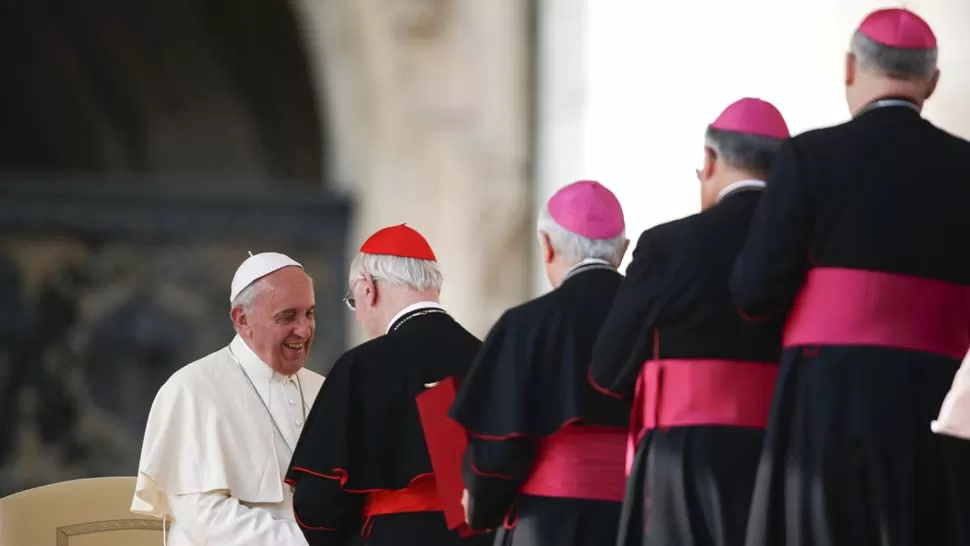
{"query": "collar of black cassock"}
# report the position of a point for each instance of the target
(584, 268)
(889, 102)
(407, 317)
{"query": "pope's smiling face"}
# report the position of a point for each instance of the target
(278, 325)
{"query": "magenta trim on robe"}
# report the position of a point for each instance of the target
(580, 462)
(700, 392)
(838, 306)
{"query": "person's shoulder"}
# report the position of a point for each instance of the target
(820, 133)
(530, 310)
(366, 358)
(659, 234)
(196, 381)
(824, 137)
(950, 139)
(198, 373)
(530, 317)
(377, 346)
(311, 380)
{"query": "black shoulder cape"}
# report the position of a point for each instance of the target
(364, 427)
(531, 376)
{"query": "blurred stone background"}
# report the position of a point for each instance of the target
(146, 146)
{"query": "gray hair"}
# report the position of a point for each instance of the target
(750, 153)
(407, 272)
(894, 62)
(576, 248)
(247, 297)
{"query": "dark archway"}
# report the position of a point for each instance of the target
(202, 87)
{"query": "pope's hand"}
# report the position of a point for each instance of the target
(465, 497)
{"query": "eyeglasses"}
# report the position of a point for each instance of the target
(349, 299)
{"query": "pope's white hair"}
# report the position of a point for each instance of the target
(407, 272)
(247, 297)
(575, 248)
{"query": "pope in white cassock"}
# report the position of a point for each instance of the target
(222, 429)
(954, 419)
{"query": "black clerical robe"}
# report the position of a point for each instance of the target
(863, 239)
(545, 457)
(361, 472)
(701, 378)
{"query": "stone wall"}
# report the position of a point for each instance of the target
(418, 109)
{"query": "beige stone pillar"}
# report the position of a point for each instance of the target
(563, 106)
(427, 105)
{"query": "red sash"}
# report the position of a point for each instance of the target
(698, 392)
(580, 462)
(420, 496)
(838, 306)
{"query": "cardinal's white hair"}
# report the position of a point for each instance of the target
(408, 272)
(575, 248)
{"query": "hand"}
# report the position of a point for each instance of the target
(465, 500)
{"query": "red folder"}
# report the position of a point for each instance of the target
(446, 443)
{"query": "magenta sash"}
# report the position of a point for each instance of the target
(838, 306)
(580, 462)
(698, 392)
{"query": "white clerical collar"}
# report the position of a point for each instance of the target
(410, 308)
(585, 262)
(588, 263)
(254, 366)
(740, 185)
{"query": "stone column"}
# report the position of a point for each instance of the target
(428, 108)
(563, 107)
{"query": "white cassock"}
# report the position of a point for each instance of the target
(954, 419)
(213, 461)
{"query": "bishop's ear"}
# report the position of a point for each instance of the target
(850, 68)
(710, 160)
(934, 79)
(545, 248)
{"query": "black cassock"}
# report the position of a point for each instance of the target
(545, 457)
(702, 379)
(361, 471)
(863, 239)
